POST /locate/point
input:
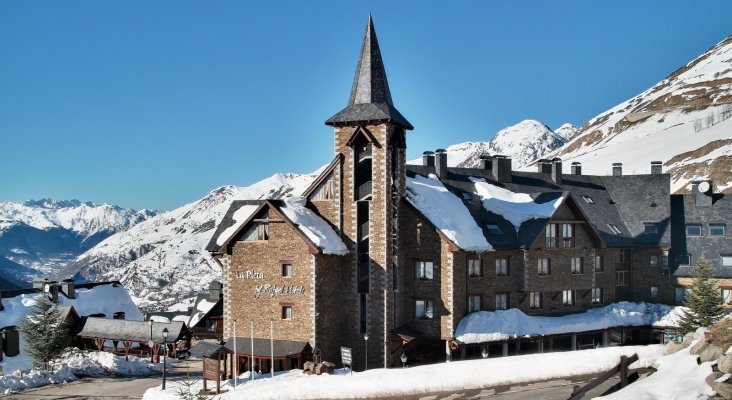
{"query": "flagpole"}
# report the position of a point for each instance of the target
(251, 324)
(236, 357)
(271, 346)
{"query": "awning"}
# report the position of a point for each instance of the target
(262, 347)
(407, 333)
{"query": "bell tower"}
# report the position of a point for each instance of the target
(370, 134)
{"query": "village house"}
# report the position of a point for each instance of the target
(381, 256)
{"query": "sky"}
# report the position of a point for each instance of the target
(154, 104)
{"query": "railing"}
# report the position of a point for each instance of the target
(364, 153)
(568, 242)
(207, 332)
(363, 231)
(364, 191)
(551, 242)
(621, 369)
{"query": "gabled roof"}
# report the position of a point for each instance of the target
(137, 331)
(202, 307)
(337, 161)
(370, 99)
(279, 348)
(228, 221)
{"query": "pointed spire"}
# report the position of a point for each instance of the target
(370, 99)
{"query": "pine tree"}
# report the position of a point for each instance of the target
(45, 332)
(704, 301)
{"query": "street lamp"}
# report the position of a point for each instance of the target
(366, 358)
(150, 343)
(165, 355)
(404, 360)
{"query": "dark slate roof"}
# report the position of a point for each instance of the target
(228, 221)
(684, 211)
(370, 99)
(138, 331)
(206, 349)
(282, 348)
(199, 312)
(613, 199)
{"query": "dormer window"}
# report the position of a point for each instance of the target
(693, 230)
(259, 229)
(326, 190)
(494, 229)
(588, 199)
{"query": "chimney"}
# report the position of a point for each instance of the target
(486, 162)
(428, 159)
(656, 167)
(576, 168)
(545, 166)
(617, 169)
(215, 291)
(40, 283)
(67, 288)
(501, 168)
(53, 291)
(702, 192)
(441, 163)
(557, 170)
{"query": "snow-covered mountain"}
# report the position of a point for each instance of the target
(41, 236)
(523, 142)
(685, 121)
(162, 260)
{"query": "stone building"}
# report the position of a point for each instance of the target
(377, 253)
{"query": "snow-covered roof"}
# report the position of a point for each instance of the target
(240, 216)
(488, 326)
(516, 208)
(314, 227)
(200, 309)
(447, 212)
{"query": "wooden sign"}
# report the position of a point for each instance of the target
(211, 369)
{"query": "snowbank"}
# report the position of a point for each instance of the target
(76, 363)
(516, 208)
(487, 326)
(678, 376)
(459, 375)
(314, 227)
(447, 212)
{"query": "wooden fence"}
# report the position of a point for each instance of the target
(621, 369)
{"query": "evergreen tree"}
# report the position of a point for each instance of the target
(704, 301)
(45, 332)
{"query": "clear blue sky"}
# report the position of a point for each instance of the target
(152, 104)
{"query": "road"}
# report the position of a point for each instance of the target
(107, 388)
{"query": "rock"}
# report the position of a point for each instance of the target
(700, 333)
(673, 347)
(308, 366)
(725, 364)
(710, 353)
(700, 345)
(688, 338)
(723, 389)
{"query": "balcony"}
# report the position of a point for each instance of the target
(568, 242)
(208, 333)
(364, 153)
(363, 231)
(364, 191)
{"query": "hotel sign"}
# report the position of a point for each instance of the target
(269, 289)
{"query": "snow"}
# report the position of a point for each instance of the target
(74, 363)
(515, 208)
(678, 376)
(202, 308)
(106, 299)
(240, 216)
(400, 382)
(314, 227)
(447, 212)
(488, 326)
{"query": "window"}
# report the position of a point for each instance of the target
(620, 256)
(287, 270)
(621, 278)
(424, 269)
(681, 293)
(727, 296)
(501, 301)
(588, 200)
(653, 260)
(551, 235)
(475, 268)
(423, 309)
(567, 235)
(654, 291)
(598, 263)
(693, 230)
(683, 259)
(614, 229)
(726, 260)
(286, 312)
(258, 231)
(650, 227)
(544, 265)
(576, 267)
(494, 229)
(535, 300)
(716, 229)
(501, 266)
(568, 298)
(326, 190)
(596, 295)
(474, 303)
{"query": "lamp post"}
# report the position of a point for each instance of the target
(150, 343)
(404, 360)
(366, 358)
(165, 355)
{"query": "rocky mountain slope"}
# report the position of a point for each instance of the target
(523, 142)
(41, 236)
(162, 260)
(685, 121)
